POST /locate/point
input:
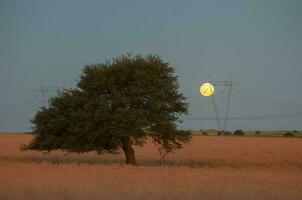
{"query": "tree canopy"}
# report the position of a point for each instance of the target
(115, 105)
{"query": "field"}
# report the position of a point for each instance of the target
(209, 167)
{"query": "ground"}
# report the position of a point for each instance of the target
(209, 167)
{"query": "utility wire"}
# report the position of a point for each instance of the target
(265, 103)
(268, 99)
(15, 110)
(15, 106)
(255, 117)
(29, 110)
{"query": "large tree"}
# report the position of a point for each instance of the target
(116, 104)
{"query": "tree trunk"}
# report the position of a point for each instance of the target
(129, 152)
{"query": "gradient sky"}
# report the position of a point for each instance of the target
(257, 42)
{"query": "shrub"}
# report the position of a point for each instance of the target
(288, 134)
(239, 132)
(204, 133)
(257, 133)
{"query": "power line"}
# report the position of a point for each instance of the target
(255, 117)
(28, 106)
(269, 99)
(16, 110)
(3, 109)
(28, 110)
(266, 103)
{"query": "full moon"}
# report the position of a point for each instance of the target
(207, 89)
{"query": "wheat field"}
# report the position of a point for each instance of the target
(209, 167)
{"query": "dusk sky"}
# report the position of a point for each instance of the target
(256, 42)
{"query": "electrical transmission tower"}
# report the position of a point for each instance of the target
(44, 90)
(229, 85)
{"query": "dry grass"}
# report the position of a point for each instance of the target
(207, 168)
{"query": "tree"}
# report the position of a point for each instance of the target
(116, 104)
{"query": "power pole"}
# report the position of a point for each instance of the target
(43, 90)
(215, 107)
(230, 84)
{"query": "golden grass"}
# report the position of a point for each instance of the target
(207, 168)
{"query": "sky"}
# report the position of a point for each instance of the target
(255, 43)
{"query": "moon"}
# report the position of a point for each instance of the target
(207, 89)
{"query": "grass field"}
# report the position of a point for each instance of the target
(207, 168)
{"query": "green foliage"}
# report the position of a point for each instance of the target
(116, 104)
(288, 134)
(239, 132)
(204, 133)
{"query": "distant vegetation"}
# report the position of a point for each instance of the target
(239, 132)
(289, 134)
